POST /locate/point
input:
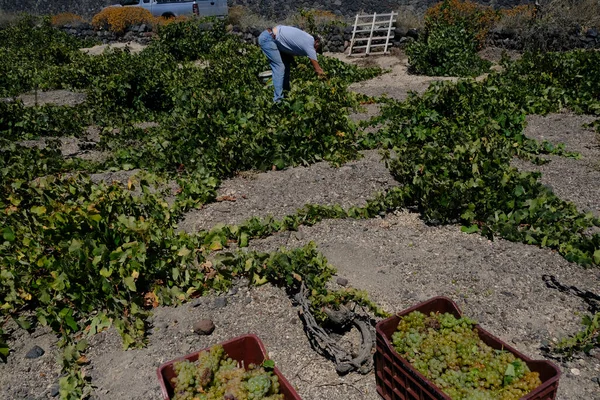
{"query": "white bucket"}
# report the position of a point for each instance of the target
(265, 76)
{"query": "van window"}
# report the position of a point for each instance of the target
(130, 2)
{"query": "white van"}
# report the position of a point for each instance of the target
(175, 8)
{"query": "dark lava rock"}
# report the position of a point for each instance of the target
(413, 33)
(220, 302)
(204, 327)
(35, 352)
(342, 281)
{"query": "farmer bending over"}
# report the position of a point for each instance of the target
(280, 45)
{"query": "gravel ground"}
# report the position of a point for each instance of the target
(280, 193)
(134, 47)
(396, 83)
(56, 97)
(84, 147)
(573, 180)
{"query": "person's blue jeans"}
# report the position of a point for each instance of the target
(280, 64)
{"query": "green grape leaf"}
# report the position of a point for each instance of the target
(8, 234)
(268, 365)
(470, 229)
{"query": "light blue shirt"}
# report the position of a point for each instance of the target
(295, 41)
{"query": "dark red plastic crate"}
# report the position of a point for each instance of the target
(398, 380)
(246, 349)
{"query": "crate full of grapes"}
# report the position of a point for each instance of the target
(430, 351)
(236, 369)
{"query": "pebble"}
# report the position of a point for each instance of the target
(247, 300)
(54, 390)
(35, 352)
(161, 326)
(233, 291)
(575, 371)
(197, 302)
(298, 235)
(220, 302)
(204, 327)
(342, 281)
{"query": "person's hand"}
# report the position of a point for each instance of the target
(322, 75)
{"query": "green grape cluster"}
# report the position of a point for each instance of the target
(215, 376)
(448, 351)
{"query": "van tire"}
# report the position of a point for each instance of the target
(168, 15)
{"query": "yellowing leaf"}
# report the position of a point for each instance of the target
(38, 210)
(257, 280)
(82, 360)
(105, 272)
(184, 251)
(216, 245)
(130, 283)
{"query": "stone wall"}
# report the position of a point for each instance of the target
(277, 9)
(336, 39)
(549, 39)
(86, 8)
(139, 33)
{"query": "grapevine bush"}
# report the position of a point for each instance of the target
(454, 31)
(455, 160)
(474, 18)
(446, 50)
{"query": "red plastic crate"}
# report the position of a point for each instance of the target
(398, 380)
(247, 349)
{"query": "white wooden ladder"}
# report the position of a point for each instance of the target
(365, 26)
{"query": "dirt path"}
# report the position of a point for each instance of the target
(55, 97)
(571, 179)
(397, 83)
(134, 47)
(281, 193)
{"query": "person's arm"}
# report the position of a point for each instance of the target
(317, 67)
